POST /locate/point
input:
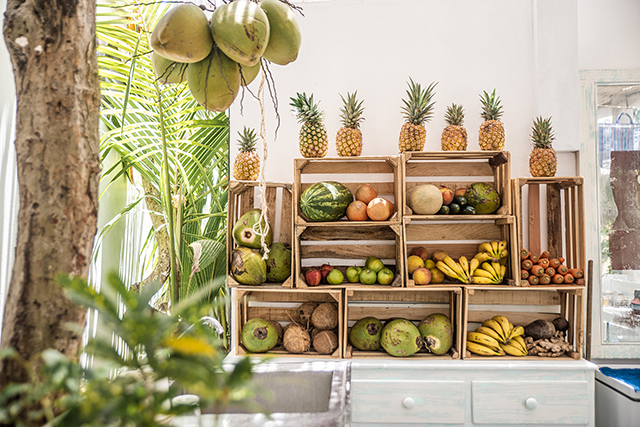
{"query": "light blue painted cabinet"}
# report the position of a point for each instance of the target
(469, 393)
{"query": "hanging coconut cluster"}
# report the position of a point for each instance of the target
(217, 57)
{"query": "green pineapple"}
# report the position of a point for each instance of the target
(454, 136)
(313, 139)
(491, 135)
(349, 137)
(417, 110)
(247, 163)
(542, 160)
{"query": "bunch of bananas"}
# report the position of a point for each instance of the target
(493, 259)
(497, 250)
(497, 337)
(461, 270)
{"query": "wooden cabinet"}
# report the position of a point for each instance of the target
(470, 393)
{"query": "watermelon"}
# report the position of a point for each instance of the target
(325, 201)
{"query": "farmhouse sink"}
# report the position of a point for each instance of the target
(299, 394)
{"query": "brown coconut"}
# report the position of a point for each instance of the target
(304, 312)
(325, 342)
(325, 316)
(279, 330)
(296, 339)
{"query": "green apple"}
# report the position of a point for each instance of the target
(353, 274)
(335, 277)
(430, 264)
(370, 260)
(376, 265)
(368, 276)
(385, 276)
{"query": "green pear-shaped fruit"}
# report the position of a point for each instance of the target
(215, 81)
(259, 335)
(285, 37)
(437, 333)
(246, 233)
(241, 30)
(365, 334)
(401, 338)
(183, 34)
(247, 266)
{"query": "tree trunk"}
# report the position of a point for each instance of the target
(53, 53)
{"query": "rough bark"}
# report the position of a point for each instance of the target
(53, 54)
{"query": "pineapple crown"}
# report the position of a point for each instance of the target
(351, 111)
(491, 108)
(305, 109)
(454, 115)
(247, 141)
(418, 107)
(542, 134)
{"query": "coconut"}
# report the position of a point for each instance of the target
(168, 71)
(285, 36)
(247, 266)
(241, 30)
(279, 330)
(304, 312)
(249, 73)
(215, 81)
(325, 316)
(183, 34)
(296, 339)
(259, 335)
(325, 342)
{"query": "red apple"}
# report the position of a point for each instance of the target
(460, 191)
(447, 194)
(420, 251)
(324, 270)
(313, 276)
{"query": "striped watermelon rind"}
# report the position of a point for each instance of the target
(325, 201)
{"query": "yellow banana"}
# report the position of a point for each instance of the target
(465, 265)
(490, 323)
(483, 273)
(481, 280)
(483, 350)
(504, 253)
(512, 350)
(488, 331)
(503, 270)
(517, 331)
(483, 339)
(506, 326)
(473, 266)
(454, 266)
(518, 340)
(494, 248)
(485, 247)
(503, 261)
(502, 246)
(448, 271)
(488, 267)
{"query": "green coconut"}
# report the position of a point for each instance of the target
(278, 262)
(215, 81)
(241, 30)
(437, 333)
(365, 334)
(401, 338)
(259, 335)
(168, 71)
(483, 197)
(183, 34)
(248, 267)
(285, 36)
(249, 74)
(244, 230)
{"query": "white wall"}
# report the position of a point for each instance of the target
(527, 50)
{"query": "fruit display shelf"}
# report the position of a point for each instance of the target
(244, 196)
(562, 223)
(456, 170)
(281, 305)
(521, 306)
(461, 237)
(381, 172)
(348, 244)
(410, 304)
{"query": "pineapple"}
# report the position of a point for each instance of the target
(491, 135)
(454, 136)
(542, 160)
(247, 164)
(349, 137)
(313, 135)
(417, 110)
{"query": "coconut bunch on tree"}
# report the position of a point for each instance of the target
(217, 58)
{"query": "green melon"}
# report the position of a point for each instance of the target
(483, 197)
(325, 201)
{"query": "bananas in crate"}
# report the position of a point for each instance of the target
(488, 266)
(497, 337)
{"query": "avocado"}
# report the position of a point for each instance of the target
(460, 200)
(469, 210)
(444, 210)
(454, 208)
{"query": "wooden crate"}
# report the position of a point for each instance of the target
(382, 172)
(244, 196)
(461, 237)
(280, 305)
(343, 245)
(457, 169)
(411, 304)
(560, 228)
(522, 306)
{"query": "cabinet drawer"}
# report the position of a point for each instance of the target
(398, 402)
(531, 402)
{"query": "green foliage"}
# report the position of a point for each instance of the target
(163, 359)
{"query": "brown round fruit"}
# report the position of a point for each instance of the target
(380, 209)
(325, 342)
(421, 251)
(460, 191)
(447, 194)
(296, 339)
(325, 316)
(357, 211)
(304, 312)
(366, 193)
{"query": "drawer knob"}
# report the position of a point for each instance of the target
(531, 403)
(408, 403)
